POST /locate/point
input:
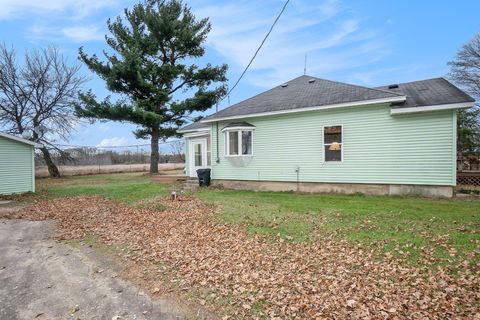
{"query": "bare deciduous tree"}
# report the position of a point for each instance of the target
(37, 98)
(465, 71)
(178, 149)
(466, 66)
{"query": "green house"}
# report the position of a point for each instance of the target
(17, 166)
(315, 135)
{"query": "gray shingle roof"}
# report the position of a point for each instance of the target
(300, 93)
(239, 124)
(429, 92)
(195, 126)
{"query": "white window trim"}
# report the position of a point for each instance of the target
(227, 140)
(211, 153)
(324, 144)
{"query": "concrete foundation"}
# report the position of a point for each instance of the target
(341, 188)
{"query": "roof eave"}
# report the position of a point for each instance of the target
(193, 130)
(14, 138)
(460, 105)
(331, 106)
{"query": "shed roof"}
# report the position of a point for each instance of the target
(12, 137)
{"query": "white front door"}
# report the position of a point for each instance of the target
(198, 155)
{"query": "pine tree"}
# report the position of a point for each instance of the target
(154, 45)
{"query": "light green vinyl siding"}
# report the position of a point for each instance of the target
(377, 147)
(16, 167)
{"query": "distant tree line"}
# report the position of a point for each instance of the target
(97, 156)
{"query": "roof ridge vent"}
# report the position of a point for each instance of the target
(393, 86)
(284, 85)
(311, 81)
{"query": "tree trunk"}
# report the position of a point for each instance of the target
(155, 155)
(52, 168)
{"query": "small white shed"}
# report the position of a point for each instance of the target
(17, 165)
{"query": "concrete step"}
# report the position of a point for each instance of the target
(190, 184)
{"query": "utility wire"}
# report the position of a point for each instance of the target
(227, 95)
(258, 49)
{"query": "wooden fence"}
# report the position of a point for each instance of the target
(468, 169)
(468, 178)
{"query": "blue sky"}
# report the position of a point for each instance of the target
(362, 42)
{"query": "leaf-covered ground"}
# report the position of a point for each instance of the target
(254, 276)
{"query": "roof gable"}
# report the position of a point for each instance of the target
(303, 92)
(21, 140)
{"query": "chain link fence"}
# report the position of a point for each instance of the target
(80, 160)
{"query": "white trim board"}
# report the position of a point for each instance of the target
(196, 134)
(194, 130)
(432, 108)
(331, 106)
(9, 136)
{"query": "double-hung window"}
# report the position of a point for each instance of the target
(332, 143)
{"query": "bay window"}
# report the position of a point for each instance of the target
(238, 142)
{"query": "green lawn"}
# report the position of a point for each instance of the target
(123, 187)
(405, 223)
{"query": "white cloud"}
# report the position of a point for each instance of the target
(103, 127)
(83, 33)
(332, 37)
(77, 9)
(116, 142)
(80, 34)
(382, 76)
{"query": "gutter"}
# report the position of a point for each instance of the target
(437, 107)
(193, 130)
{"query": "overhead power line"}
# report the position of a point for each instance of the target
(227, 95)
(260, 47)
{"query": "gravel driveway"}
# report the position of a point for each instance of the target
(44, 279)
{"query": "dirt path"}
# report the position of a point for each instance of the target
(44, 279)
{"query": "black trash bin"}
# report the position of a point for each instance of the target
(203, 177)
